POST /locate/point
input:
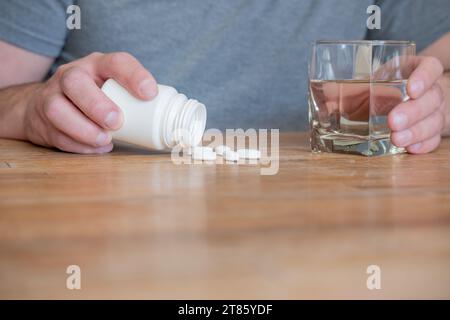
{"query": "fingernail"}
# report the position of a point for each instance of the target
(400, 121)
(403, 137)
(112, 120)
(148, 89)
(104, 149)
(103, 138)
(415, 147)
(416, 87)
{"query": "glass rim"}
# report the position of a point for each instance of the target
(366, 42)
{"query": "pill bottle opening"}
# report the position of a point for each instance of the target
(197, 125)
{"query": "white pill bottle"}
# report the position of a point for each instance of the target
(170, 119)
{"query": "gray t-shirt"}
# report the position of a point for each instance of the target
(246, 60)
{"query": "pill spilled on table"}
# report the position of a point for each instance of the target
(230, 155)
(203, 153)
(207, 153)
(220, 150)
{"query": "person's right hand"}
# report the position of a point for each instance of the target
(71, 113)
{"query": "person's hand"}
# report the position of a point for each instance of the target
(71, 113)
(417, 124)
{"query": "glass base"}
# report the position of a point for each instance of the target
(340, 143)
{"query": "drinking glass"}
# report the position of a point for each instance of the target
(353, 85)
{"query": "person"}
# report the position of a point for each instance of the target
(246, 60)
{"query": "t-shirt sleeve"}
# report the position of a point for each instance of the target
(422, 21)
(37, 26)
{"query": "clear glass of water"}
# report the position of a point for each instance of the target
(353, 85)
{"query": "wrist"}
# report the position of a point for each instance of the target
(14, 102)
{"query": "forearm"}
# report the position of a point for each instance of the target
(14, 101)
(444, 82)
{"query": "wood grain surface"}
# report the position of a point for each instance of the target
(141, 227)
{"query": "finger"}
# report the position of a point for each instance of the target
(410, 112)
(63, 142)
(129, 72)
(70, 120)
(427, 71)
(425, 146)
(82, 90)
(421, 131)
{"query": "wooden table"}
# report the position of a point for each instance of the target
(141, 227)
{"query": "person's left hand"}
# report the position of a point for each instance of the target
(417, 124)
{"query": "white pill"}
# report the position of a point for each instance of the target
(220, 150)
(205, 149)
(250, 154)
(190, 150)
(230, 155)
(203, 153)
